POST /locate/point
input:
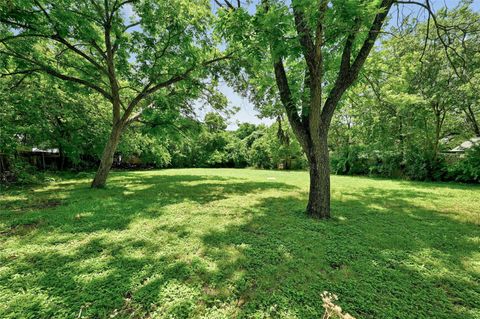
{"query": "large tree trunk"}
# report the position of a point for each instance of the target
(107, 158)
(319, 196)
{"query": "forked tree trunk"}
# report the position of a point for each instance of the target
(319, 196)
(107, 158)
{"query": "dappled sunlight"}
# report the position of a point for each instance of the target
(412, 198)
(472, 263)
(94, 275)
(430, 262)
(206, 243)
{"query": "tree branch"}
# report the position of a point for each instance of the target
(288, 103)
(149, 89)
(438, 27)
(346, 79)
(305, 39)
(58, 74)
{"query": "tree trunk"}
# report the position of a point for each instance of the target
(319, 196)
(107, 158)
(473, 120)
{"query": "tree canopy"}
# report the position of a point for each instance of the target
(77, 75)
(136, 54)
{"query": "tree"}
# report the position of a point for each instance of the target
(310, 82)
(461, 50)
(130, 52)
(317, 50)
(40, 112)
(275, 147)
(214, 122)
(409, 102)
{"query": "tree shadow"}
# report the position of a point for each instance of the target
(96, 279)
(82, 258)
(183, 246)
(81, 209)
(384, 261)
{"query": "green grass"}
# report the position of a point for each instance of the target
(225, 243)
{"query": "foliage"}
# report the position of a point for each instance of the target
(224, 243)
(135, 55)
(210, 145)
(391, 124)
(21, 172)
(398, 124)
(468, 168)
(39, 112)
(270, 151)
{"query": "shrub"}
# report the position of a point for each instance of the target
(468, 168)
(350, 161)
(21, 172)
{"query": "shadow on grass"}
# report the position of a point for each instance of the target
(84, 260)
(384, 257)
(398, 261)
(113, 208)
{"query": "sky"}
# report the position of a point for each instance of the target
(247, 112)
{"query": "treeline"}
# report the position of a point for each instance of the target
(260, 146)
(175, 141)
(417, 97)
(414, 102)
(360, 144)
(42, 114)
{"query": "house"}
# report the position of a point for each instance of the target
(40, 158)
(460, 149)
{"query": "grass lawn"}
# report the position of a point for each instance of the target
(226, 243)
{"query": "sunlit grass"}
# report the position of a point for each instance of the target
(225, 243)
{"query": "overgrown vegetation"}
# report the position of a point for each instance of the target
(223, 243)
(380, 88)
(133, 55)
(390, 124)
(414, 102)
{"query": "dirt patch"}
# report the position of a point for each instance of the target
(21, 229)
(48, 204)
(44, 204)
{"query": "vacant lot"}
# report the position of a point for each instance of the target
(224, 243)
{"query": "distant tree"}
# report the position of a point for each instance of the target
(301, 35)
(244, 130)
(271, 151)
(398, 123)
(462, 39)
(39, 111)
(214, 122)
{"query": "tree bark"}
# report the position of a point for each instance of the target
(312, 124)
(319, 196)
(107, 158)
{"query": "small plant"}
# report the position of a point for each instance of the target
(333, 311)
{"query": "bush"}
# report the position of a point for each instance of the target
(468, 168)
(350, 161)
(423, 166)
(260, 155)
(21, 172)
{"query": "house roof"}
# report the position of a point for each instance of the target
(466, 145)
(48, 150)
